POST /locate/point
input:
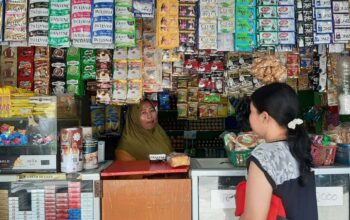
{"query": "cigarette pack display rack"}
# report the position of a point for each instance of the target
(28, 135)
(42, 196)
(214, 181)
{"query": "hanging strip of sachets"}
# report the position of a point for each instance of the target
(286, 22)
(245, 27)
(267, 16)
(341, 21)
(38, 26)
(323, 22)
(168, 24)
(187, 26)
(103, 22)
(305, 23)
(226, 24)
(15, 21)
(125, 24)
(81, 23)
(42, 70)
(207, 25)
(59, 23)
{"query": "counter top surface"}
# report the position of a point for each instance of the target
(207, 165)
(141, 167)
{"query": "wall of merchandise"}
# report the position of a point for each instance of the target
(206, 51)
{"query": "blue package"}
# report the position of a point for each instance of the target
(103, 22)
(164, 100)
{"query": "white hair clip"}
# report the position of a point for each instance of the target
(293, 123)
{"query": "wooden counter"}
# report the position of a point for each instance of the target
(146, 199)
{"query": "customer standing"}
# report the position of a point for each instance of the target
(142, 134)
(282, 165)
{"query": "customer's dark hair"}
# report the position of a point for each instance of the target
(281, 102)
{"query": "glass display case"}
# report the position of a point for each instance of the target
(51, 195)
(28, 135)
(214, 181)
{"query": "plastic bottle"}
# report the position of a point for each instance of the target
(343, 73)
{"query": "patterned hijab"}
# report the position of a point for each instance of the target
(140, 142)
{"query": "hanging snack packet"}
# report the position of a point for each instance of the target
(134, 94)
(112, 121)
(88, 57)
(134, 70)
(182, 110)
(119, 92)
(135, 53)
(120, 53)
(167, 24)
(104, 92)
(97, 120)
(74, 82)
(25, 74)
(125, 39)
(8, 66)
(192, 111)
(120, 70)
(58, 71)
(42, 70)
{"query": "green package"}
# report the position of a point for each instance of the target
(59, 23)
(88, 67)
(74, 81)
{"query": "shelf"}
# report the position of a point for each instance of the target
(27, 146)
(26, 118)
(12, 150)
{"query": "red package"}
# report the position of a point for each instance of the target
(25, 72)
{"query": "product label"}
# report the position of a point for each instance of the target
(268, 38)
(285, 2)
(324, 27)
(267, 24)
(35, 12)
(341, 20)
(323, 14)
(322, 38)
(286, 11)
(323, 3)
(340, 7)
(267, 12)
(342, 34)
(286, 37)
(286, 25)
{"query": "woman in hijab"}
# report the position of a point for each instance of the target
(142, 134)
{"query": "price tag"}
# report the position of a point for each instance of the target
(329, 196)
